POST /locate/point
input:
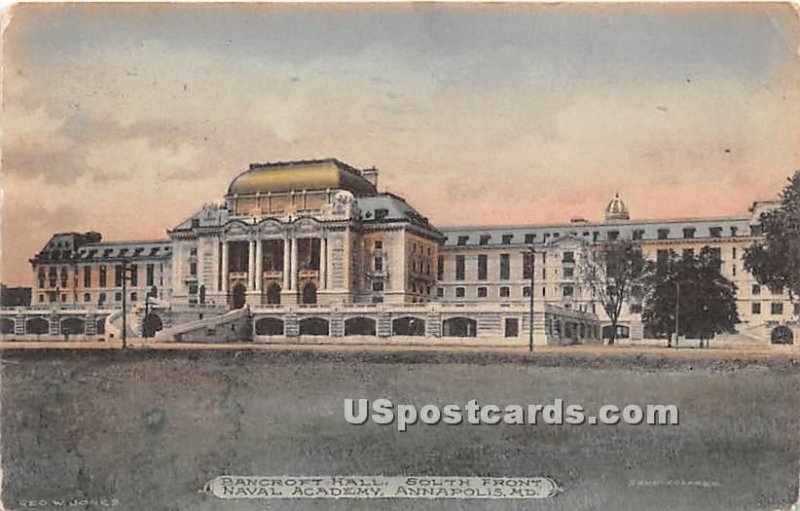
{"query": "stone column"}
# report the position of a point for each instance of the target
(286, 281)
(251, 257)
(259, 264)
(323, 263)
(293, 274)
(224, 266)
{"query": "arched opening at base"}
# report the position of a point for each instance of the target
(408, 325)
(269, 326)
(314, 326)
(460, 327)
(359, 326)
(782, 335)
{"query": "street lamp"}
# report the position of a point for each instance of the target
(125, 278)
(532, 260)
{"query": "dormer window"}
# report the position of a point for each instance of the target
(462, 240)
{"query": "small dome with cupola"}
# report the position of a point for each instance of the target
(617, 210)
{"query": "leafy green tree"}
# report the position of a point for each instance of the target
(611, 271)
(775, 260)
(692, 285)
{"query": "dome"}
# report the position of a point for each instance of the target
(617, 210)
(283, 177)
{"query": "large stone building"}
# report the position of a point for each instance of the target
(313, 249)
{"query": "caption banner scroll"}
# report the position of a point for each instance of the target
(380, 487)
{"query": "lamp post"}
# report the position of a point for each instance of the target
(531, 262)
(125, 278)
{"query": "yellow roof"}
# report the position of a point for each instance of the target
(300, 175)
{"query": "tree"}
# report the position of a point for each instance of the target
(692, 286)
(611, 270)
(775, 260)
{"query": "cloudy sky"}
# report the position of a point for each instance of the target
(127, 118)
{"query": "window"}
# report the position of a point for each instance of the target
(87, 276)
(663, 234)
(193, 288)
(776, 290)
(63, 276)
(505, 266)
(777, 308)
(459, 292)
(526, 291)
(797, 309)
(134, 275)
(87, 297)
(440, 267)
(41, 277)
(118, 276)
(482, 270)
(569, 271)
(733, 230)
(440, 292)
(755, 308)
(462, 240)
(377, 286)
(41, 298)
(505, 292)
(378, 263)
(193, 251)
(460, 267)
(638, 234)
(63, 298)
(688, 232)
(569, 290)
(756, 290)
(507, 239)
(527, 265)
(378, 245)
(568, 257)
(613, 235)
(512, 327)
(733, 253)
(193, 269)
(715, 232)
(134, 296)
(150, 275)
(484, 239)
(530, 238)
(482, 292)
(118, 297)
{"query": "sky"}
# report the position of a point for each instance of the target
(126, 119)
